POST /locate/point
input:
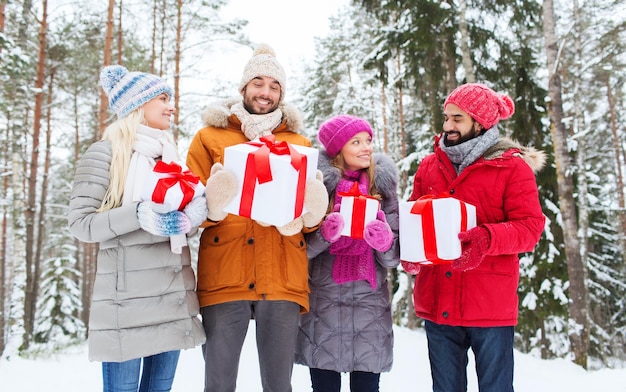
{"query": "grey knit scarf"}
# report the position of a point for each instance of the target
(464, 154)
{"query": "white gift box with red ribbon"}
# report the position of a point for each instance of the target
(172, 184)
(272, 178)
(357, 211)
(429, 228)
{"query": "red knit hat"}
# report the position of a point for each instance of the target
(336, 132)
(482, 103)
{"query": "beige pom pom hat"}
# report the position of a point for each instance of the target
(264, 63)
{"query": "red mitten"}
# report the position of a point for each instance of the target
(475, 243)
(332, 226)
(378, 234)
(410, 268)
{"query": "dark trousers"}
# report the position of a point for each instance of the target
(226, 326)
(330, 381)
(493, 352)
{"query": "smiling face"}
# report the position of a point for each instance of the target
(357, 152)
(458, 126)
(261, 95)
(158, 112)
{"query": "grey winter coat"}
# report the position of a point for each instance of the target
(349, 326)
(144, 300)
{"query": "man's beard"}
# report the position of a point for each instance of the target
(460, 140)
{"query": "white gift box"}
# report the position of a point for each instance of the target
(357, 211)
(271, 189)
(431, 236)
(172, 184)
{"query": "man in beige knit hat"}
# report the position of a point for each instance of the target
(247, 269)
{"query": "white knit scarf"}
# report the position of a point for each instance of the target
(150, 144)
(255, 126)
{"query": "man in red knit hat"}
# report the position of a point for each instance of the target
(472, 302)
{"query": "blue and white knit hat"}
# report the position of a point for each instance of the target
(128, 91)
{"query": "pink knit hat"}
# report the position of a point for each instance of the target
(482, 103)
(336, 132)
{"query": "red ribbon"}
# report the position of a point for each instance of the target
(176, 175)
(423, 206)
(258, 168)
(357, 223)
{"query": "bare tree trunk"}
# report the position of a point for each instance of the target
(162, 37)
(120, 36)
(383, 99)
(618, 166)
(32, 263)
(579, 304)
(468, 64)
(41, 230)
(154, 36)
(580, 132)
(412, 320)
(108, 44)
(5, 216)
(177, 58)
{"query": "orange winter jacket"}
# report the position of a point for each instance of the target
(238, 259)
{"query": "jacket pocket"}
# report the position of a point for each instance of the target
(220, 256)
(489, 296)
(295, 265)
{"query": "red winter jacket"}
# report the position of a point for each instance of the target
(502, 186)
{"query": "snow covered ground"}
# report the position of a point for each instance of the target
(72, 372)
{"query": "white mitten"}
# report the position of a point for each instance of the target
(221, 188)
(197, 210)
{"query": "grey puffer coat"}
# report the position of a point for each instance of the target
(144, 300)
(349, 326)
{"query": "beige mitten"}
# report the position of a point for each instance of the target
(316, 204)
(221, 188)
(315, 200)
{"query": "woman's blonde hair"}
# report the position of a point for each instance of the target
(122, 134)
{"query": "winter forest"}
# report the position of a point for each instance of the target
(391, 62)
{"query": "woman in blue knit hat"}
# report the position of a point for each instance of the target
(349, 328)
(144, 308)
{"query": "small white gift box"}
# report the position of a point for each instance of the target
(357, 211)
(429, 229)
(272, 178)
(172, 184)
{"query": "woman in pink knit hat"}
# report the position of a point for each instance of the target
(472, 302)
(349, 326)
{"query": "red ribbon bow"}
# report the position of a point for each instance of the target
(176, 175)
(258, 168)
(423, 206)
(357, 223)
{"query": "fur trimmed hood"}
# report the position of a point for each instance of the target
(217, 114)
(536, 159)
(385, 180)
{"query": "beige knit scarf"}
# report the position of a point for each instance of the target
(255, 126)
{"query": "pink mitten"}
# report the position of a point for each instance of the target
(475, 243)
(410, 268)
(378, 234)
(332, 225)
